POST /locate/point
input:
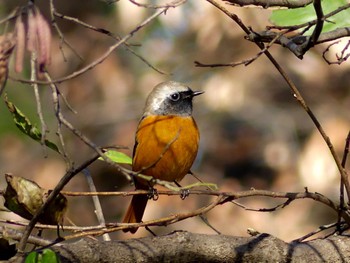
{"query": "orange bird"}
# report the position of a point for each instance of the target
(166, 142)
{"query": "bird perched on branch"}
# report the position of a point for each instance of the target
(166, 142)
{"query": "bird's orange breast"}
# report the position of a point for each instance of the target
(166, 146)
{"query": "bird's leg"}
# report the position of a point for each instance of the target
(153, 193)
(183, 192)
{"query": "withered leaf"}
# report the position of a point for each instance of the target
(7, 43)
(25, 197)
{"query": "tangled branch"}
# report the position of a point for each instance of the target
(222, 198)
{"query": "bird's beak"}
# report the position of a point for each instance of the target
(197, 92)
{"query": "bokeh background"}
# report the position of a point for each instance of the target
(253, 132)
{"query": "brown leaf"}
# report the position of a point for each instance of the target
(7, 43)
(25, 197)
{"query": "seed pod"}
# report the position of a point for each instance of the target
(44, 38)
(20, 44)
(32, 35)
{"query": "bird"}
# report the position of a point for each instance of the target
(166, 142)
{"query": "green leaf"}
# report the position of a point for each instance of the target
(25, 126)
(46, 256)
(117, 157)
(32, 257)
(49, 256)
(291, 17)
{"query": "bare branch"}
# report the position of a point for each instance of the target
(106, 54)
(14, 234)
(33, 77)
(98, 208)
(171, 4)
(271, 3)
(245, 62)
(318, 28)
(344, 55)
(60, 34)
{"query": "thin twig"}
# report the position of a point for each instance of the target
(224, 197)
(321, 228)
(39, 111)
(110, 50)
(159, 222)
(290, 196)
(57, 110)
(245, 62)
(340, 58)
(341, 190)
(63, 121)
(60, 34)
(172, 4)
(110, 34)
(97, 204)
(10, 16)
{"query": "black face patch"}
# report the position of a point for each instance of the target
(178, 103)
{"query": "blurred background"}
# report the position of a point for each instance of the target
(254, 134)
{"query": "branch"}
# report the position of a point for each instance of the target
(297, 95)
(189, 247)
(271, 3)
(102, 31)
(294, 43)
(15, 234)
(105, 55)
(224, 197)
(64, 180)
(318, 28)
(300, 44)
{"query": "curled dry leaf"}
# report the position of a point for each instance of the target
(25, 197)
(7, 43)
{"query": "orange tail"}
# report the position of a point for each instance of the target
(135, 211)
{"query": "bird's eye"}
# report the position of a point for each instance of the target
(175, 96)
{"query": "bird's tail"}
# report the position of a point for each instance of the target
(135, 211)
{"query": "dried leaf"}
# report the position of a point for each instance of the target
(7, 43)
(25, 197)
